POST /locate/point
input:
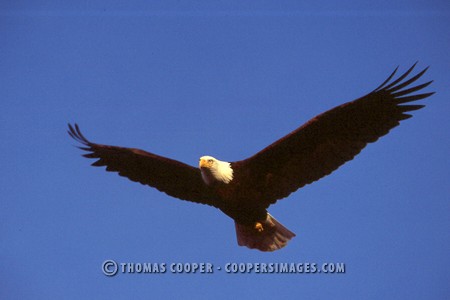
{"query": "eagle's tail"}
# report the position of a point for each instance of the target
(273, 236)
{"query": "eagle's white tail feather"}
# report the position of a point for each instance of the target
(273, 237)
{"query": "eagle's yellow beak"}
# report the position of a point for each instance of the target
(203, 163)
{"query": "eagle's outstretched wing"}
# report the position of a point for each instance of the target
(330, 139)
(169, 176)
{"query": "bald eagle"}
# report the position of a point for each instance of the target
(244, 190)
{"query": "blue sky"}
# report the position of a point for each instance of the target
(185, 79)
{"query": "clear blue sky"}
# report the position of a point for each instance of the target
(189, 78)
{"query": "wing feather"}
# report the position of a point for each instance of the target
(329, 140)
(169, 176)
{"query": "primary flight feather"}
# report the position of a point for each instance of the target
(244, 189)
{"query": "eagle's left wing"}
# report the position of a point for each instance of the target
(167, 175)
(329, 140)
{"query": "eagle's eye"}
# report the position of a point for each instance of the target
(210, 161)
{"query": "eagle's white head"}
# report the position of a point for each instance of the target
(215, 170)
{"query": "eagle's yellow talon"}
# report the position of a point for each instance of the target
(259, 227)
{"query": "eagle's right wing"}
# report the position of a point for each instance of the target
(169, 176)
(327, 141)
